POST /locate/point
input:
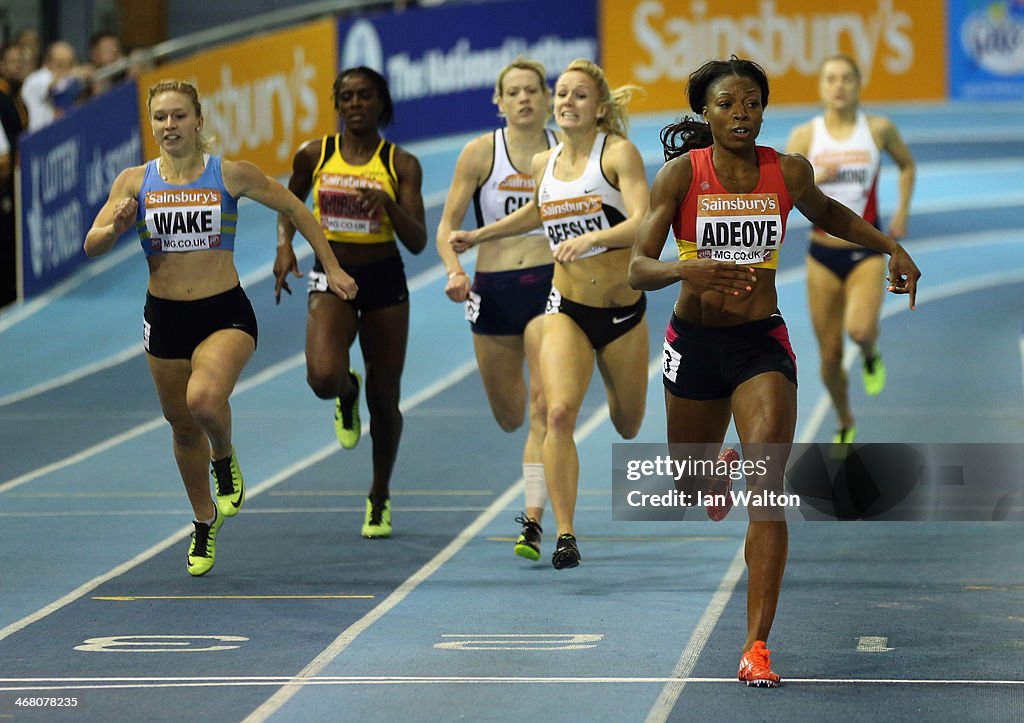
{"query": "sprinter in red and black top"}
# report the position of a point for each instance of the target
(727, 352)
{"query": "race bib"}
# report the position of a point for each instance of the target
(185, 220)
(739, 228)
(851, 183)
(569, 218)
(515, 191)
(341, 206)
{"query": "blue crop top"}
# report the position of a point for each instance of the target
(198, 216)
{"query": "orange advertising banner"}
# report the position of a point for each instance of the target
(262, 97)
(899, 45)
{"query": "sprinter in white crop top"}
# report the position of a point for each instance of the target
(505, 300)
(845, 281)
(592, 192)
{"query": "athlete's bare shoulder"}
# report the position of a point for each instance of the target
(800, 138)
(477, 154)
(307, 155)
(129, 181)
(539, 161)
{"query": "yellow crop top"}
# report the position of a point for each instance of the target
(336, 203)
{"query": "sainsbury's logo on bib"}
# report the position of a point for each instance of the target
(187, 197)
(730, 203)
(739, 228)
(341, 206)
(514, 191)
(516, 182)
(344, 180)
(581, 206)
(184, 220)
(569, 218)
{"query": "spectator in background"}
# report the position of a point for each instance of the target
(13, 115)
(5, 153)
(48, 82)
(140, 60)
(28, 40)
(13, 119)
(104, 49)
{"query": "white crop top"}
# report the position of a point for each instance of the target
(857, 159)
(569, 209)
(506, 188)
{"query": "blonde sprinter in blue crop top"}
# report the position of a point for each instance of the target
(199, 329)
(591, 195)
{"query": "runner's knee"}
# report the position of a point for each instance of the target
(561, 418)
(205, 403)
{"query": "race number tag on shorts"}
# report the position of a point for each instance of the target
(341, 206)
(316, 281)
(472, 307)
(554, 303)
(739, 228)
(183, 220)
(670, 362)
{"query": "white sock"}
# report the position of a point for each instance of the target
(535, 488)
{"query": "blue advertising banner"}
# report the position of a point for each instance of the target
(441, 63)
(986, 46)
(67, 169)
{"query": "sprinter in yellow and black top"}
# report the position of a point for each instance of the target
(366, 193)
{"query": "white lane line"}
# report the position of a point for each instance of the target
(666, 701)
(336, 648)
(74, 375)
(892, 308)
(305, 511)
(419, 509)
(19, 313)
(1022, 355)
(451, 379)
(45, 684)
(138, 430)
(332, 651)
(416, 283)
(420, 281)
(670, 694)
